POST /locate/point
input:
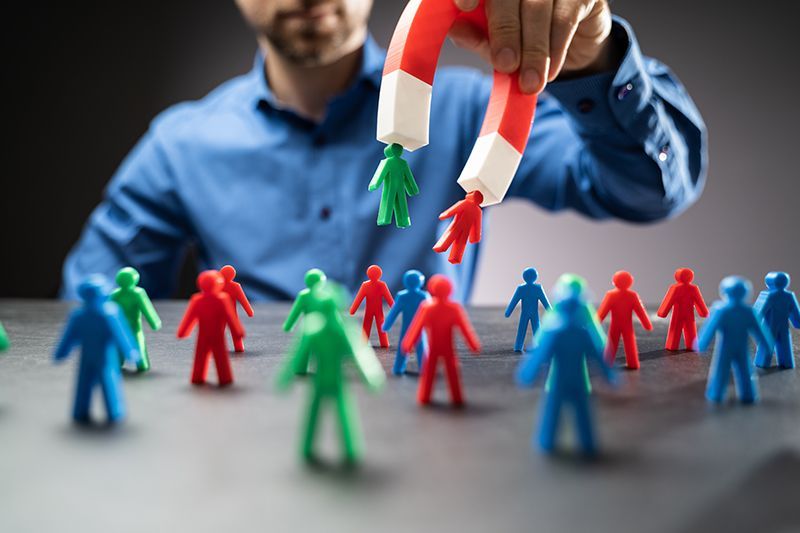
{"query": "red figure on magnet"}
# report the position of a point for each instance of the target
(237, 295)
(375, 291)
(623, 302)
(212, 310)
(682, 298)
(440, 317)
(466, 224)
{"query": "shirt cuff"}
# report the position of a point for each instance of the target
(609, 100)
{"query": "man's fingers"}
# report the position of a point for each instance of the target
(466, 35)
(535, 62)
(466, 5)
(566, 15)
(504, 33)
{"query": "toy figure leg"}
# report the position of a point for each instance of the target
(631, 350)
(144, 363)
(422, 349)
(689, 333)
(783, 345)
(584, 425)
(201, 353)
(238, 343)
(401, 216)
(383, 337)
(83, 396)
(427, 379)
(386, 206)
(311, 425)
(674, 334)
(744, 379)
(223, 363)
(348, 420)
(718, 376)
(613, 345)
(457, 250)
(522, 330)
(112, 395)
(763, 357)
(453, 379)
(550, 418)
(367, 324)
(400, 361)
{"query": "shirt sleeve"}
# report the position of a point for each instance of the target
(628, 144)
(140, 223)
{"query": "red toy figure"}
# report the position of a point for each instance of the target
(682, 298)
(439, 318)
(236, 293)
(622, 303)
(466, 223)
(212, 310)
(375, 291)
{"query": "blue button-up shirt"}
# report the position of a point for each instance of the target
(252, 184)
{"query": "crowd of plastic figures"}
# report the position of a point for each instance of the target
(108, 329)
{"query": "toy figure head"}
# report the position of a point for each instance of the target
(413, 280)
(393, 150)
(778, 280)
(571, 286)
(127, 278)
(210, 282)
(735, 289)
(374, 272)
(94, 290)
(622, 280)
(530, 275)
(476, 197)
(440, 287)
(228, 272)
(313, 277)
(684, 275)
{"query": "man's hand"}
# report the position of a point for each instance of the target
(541, 38)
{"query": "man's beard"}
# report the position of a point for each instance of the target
(307, 47)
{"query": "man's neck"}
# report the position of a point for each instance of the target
(308, 89)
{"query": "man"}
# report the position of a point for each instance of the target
(270, 171)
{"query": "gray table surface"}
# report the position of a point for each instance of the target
(207, 459)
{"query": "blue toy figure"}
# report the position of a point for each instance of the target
(732, 321)
(777, 307)
(102, 333)
(566, 340)
(406, 303)
(530, 294)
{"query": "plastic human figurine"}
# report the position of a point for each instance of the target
(530, 294)
(777, 309)
(101, 331)
(4, 343)
(212, 311)
(237, 295)
(565, 342)
(682, 299)
(374, 291)
(732, 321)
(304, 303)
(398, 181)
(331, 344)
(622, 303)
(135, 304)
(440, 317)
(406, 304)
(466, 225)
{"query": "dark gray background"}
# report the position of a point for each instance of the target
(84, 79)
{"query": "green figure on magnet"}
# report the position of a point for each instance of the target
(4, 344)
(332, 342)
(135, 303)
(398, 181)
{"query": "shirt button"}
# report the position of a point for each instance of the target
(319, 140)
(663, 155)
(586, 105)
(325, 213)
(624, 91)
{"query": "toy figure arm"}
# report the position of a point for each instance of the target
(544, 300)
(294, 313)
(666, 304)
(387, 294)
(477, 227)
(708, 330)
(515, 298)
(794, 315)
(68, 340)
(378, 177)
(360, 295)
(230, 317)
(594, 328)
(189, 319)
(532, 362)
(760, 332)
(148, 310)
(415, 329)
(760, 302)
(594, 354)
(451, 211)
(702, 309)
(469, 333)
(241, 297)
(605, 307)
(412, 189)
(367, 364)
(301, 347)
(4, 344)
(392, 315)
(121, 333)
(641, 312)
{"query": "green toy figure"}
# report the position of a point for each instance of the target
(135, 303)
(4, 344)
(304, 303)
(397, 179)
(331, 342)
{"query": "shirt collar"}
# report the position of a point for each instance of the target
(371, 72)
